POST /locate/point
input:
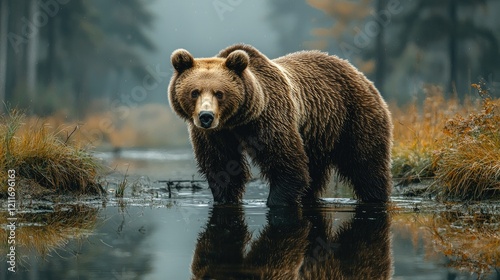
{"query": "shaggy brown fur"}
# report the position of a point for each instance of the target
(297, 116)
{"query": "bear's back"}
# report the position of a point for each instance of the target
(319, 66)
(332, 76)
(323, 84)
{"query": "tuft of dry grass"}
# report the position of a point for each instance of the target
(468, 164)
(45, 161)
(436, 142)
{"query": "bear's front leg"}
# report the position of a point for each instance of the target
(221, 162)
(283, 162)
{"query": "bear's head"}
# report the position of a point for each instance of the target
(214, 93)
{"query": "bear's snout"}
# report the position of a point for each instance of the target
(206, 118)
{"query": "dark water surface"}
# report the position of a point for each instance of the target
(148, 235)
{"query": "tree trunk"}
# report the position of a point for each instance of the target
(380, 49)
(31, 56)
(16, 53)
(51, 55)
(4, 21)
(80, 88)
(453, 47)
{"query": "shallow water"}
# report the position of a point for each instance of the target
(148, 235)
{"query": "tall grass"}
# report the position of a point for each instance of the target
(44, 161)
(418, 133)
(468, 165)
(456, 145)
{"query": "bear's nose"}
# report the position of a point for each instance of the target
(206, 118)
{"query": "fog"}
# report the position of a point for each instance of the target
(106, 63)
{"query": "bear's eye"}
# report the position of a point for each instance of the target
(195, 93)
(219, 95)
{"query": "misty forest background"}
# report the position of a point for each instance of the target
(105, 64)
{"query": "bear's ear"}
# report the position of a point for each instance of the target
(181, 60)
(237, 61)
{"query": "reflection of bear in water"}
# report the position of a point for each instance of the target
(297, 117)
(295, 246)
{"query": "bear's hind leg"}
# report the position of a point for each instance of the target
(320, 176)
(367, 169)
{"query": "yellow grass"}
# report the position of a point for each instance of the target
(145, 126)
(456, 144)
(468, 166)
(44, 161)
(418, 132)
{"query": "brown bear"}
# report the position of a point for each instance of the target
(297, 117)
